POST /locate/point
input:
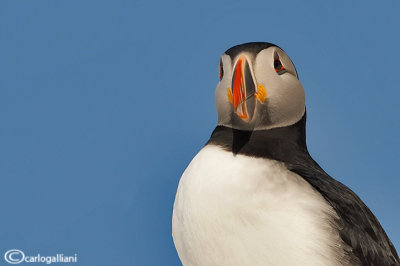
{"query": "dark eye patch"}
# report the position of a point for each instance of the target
(221, 70)
(278, 66)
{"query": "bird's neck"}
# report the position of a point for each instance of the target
(280, 144)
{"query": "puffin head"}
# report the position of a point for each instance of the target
(259, 88)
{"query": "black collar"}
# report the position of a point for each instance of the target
(283, 144)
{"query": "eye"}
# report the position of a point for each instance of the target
(221, 70)
(278, 66)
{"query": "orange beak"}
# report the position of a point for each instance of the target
(242, 89)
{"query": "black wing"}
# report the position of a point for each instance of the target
(359, 228)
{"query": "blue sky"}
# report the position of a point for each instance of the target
(104, 103)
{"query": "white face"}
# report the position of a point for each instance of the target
(259, 91)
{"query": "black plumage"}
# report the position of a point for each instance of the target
(251, 47)
(357, 225)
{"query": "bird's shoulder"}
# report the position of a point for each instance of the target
(357, 225)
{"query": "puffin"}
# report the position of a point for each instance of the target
(253, 195)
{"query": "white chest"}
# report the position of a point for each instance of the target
(238, 210)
